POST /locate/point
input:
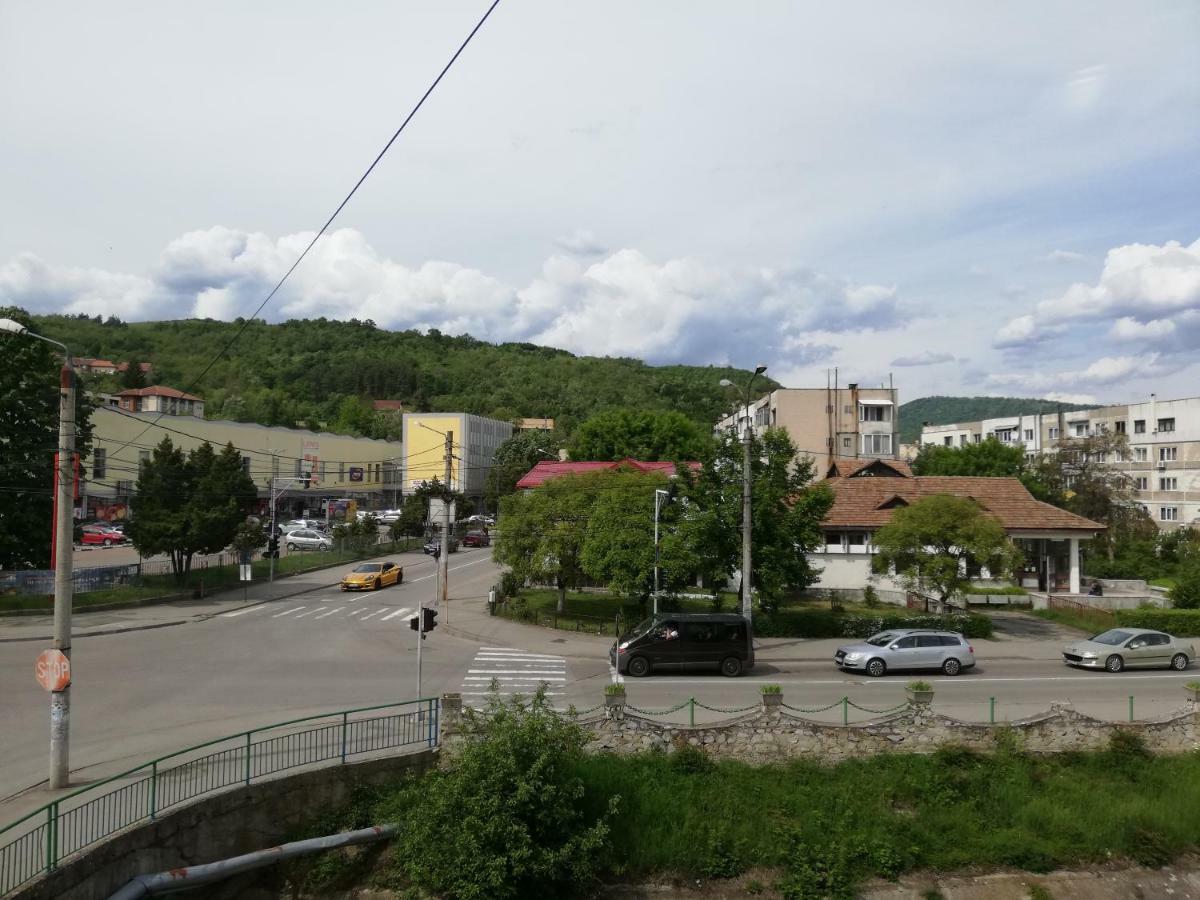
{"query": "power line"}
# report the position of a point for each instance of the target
(247, 320)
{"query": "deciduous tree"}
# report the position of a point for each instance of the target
(639, 434)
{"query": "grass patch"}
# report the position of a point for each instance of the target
(1091, 621)
(1168, 583)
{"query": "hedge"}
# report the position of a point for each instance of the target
(826, 624)
(1178, 622)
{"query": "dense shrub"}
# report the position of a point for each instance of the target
(1007, 589)
(1186, 592)
(506, 819)
(816, 623)
(1178, 622)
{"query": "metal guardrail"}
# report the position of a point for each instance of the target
(38, 842)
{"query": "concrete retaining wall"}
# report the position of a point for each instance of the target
(237, 821)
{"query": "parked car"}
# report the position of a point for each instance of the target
(907, 648)
(477, 539)
(684, 641)
(432, 547)
(389, 516)
(308, 539)
(102, 535)
(297, 524)
(372, 576)
(1133, 648)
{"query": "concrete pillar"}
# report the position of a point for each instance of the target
(450, 719)
(1075, 566)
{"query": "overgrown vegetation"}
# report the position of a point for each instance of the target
(1178, 622)
(946, 410)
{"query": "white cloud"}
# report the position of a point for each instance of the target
(1104, 371)
(1069, 398)
(924, 358)
(1085, 88)
(623, 304)
(581, 242)
(1128, 328)
(1065, 256)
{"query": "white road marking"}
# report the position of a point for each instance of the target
(536, 680)
(309, 613)
(465, 565)
(399, 612)
(288, 613)
(515, 671)
(355, 612)
(240, 612)
(329, 612)
(517, 656)
(374, 614)
(488, 693)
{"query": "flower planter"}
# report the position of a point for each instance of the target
(611, 700)
(925, 697)
(772, 700)
(1193, 693)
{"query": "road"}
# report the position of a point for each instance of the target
(236, 665)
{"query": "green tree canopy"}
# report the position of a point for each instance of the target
(29, 401)
(514, 458)
(932, 545)
(990, 459)
(643, 434)
(188, 504)
(414, 513)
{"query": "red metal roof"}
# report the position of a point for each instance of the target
(548, 469)
(158, 391)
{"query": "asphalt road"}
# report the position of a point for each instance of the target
(236, 665)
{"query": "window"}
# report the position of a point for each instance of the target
(833, 542)
(1168, 454)
(948, 441)
(1080, 429)
(1168, 484)
(1053, 433)
(962, 440)
(246, 464)
(856, 542)
(1139, 426)
(99, 462)
(1168, 513)
(978, 438)
(877, 444)
(1120, 426)
(1004, 435)
(124, 488)
(299, 467)
(1141, 483)
(1139, 454)
(906, 643)
(1029, 434)
(846, 443)
(1166, 424)
(871, 413)
(929, 640)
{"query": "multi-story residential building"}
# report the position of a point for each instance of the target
(826, 423)
(475, 440)
(337, 466)
(1163, 462)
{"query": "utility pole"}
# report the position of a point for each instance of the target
(747, 479)
(64, 570)
(659, 493)
(444, 556)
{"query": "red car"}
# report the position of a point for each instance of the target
(476, 539)
(102, 535)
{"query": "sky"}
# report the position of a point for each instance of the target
(969, 198)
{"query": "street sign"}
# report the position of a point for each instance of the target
(53, 670)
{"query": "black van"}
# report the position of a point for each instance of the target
(684, 641)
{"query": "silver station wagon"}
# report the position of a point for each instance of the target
(1122, 648)
(907, 648)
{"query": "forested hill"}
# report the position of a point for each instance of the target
(945, 410)
(320, 371)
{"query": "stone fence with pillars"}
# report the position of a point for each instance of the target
(773, 731)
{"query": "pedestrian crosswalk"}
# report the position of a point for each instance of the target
(515, 672)
(326, 613)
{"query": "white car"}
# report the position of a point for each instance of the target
(308, 539)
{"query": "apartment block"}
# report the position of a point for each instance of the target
(827, 423)
(475, 440)
(1163, 462)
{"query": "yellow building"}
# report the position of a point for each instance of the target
(475, 440)
(339, 467)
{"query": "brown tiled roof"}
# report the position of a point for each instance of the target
(849, 466)
(548, 469)
(158, 390)
(857, 502)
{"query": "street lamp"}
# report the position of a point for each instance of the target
(60, 701)
(746, 481)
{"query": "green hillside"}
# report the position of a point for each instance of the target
(320, 372)
(945, 410)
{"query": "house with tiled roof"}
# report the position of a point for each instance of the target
(547, 470)
(161, 399)
(865, 498)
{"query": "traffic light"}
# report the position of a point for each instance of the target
(413, 622)
(428, 620)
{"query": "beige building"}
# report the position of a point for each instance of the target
(340, 467)
(535, 424)
(474, 440)
(1163, 463)
(827, 423)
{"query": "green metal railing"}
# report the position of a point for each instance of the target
(39, 841)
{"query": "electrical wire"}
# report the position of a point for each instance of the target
(248, 319)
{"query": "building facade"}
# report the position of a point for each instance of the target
(475, 440)
(338, 466)
(825, 423)
(1162, 465)
(159, 399)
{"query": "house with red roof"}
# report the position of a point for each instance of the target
(160, 399)
(547, 470)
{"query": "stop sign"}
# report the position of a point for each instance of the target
(53, 670)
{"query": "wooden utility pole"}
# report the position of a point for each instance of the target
(444, 556)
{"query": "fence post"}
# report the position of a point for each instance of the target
(992, 710)
(248, 733)
(51, 836)
(153, 789)
(434, 706)
(692, 711)
(1131, 707)
(845, 710)
(345, 717)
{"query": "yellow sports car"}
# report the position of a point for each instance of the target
(372, 576)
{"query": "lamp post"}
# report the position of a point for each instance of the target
(659, 494)
(60, 701)
(746, 491)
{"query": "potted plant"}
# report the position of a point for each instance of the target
(919, 692)
(614, 695)
(1193, 691)
(772, 695)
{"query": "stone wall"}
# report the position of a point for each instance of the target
(772, 732)
(233, 822)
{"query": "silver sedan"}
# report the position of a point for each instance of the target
(1121, 648)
